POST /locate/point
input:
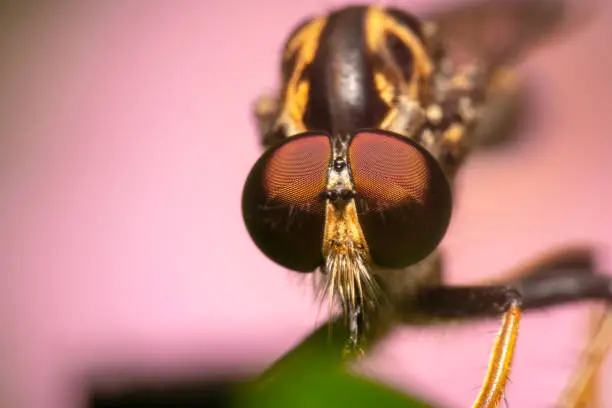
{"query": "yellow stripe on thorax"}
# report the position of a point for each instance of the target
(379, 25)
(304, 43)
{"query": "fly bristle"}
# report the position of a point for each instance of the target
(347, 279)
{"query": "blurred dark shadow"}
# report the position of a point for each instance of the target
(187, 393)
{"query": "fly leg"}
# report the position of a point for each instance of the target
(560, 278)
(581, 390)
(570, 276)
(450, 303)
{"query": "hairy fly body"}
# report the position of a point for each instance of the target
(377, 111)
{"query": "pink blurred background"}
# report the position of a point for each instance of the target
(125, 138)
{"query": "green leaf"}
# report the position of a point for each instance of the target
(311, 375)
(313, 384)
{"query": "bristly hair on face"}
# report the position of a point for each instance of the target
(348, 280)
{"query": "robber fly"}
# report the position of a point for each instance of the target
(378, 110)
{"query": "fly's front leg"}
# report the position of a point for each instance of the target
(450, 303)
(559, 278)
(564, 277)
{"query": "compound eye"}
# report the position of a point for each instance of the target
(403, 197)
(282, 202)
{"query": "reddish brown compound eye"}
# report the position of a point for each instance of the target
(282, 202)
(403, 198)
